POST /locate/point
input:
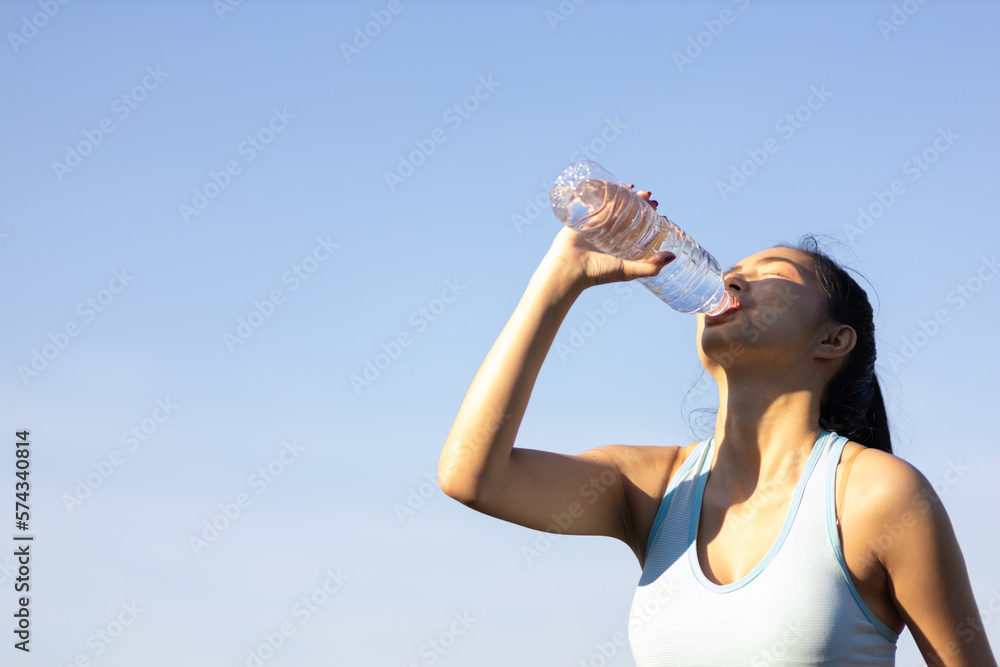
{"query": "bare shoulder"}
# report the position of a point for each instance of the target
(883, 489)
(881, 476)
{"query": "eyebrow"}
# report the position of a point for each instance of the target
(767, 260)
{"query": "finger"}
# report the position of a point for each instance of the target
(647, 267)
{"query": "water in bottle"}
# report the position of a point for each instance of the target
(618, 222)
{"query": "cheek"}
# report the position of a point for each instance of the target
(788, 313)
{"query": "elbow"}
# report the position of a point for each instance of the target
(463, 488)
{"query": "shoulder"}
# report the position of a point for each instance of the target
(890, 495)
(887, 478)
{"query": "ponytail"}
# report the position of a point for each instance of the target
(870, 427)
(852, 404)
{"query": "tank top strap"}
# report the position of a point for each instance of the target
(817, 490)
(682, 478)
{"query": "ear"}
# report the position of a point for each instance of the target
(837, 341)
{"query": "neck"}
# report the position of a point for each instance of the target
(764, 431)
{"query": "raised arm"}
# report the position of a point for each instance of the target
(580, 494)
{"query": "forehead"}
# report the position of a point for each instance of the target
(788, 256)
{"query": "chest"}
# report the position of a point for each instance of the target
(734, 537)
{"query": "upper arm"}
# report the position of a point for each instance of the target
(582, 494)
(927, 577)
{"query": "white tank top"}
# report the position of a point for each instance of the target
(798, 606)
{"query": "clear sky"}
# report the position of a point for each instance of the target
(216, 215)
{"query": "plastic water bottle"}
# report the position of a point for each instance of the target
(618, 222)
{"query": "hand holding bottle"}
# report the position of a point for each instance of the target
(616, 221)
(586, 266)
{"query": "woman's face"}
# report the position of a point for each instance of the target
(780, 319)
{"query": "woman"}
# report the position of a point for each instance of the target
(748, 555)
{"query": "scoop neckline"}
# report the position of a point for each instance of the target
(696, 505)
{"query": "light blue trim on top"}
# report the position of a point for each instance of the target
(831, 525)
(668, 495)
(800, 487)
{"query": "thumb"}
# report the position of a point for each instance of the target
(648, 267)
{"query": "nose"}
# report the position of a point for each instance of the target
(734, 281)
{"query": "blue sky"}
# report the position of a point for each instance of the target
(216, 215)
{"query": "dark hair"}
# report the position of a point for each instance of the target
(852, 403)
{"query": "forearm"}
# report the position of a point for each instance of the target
(482, 436)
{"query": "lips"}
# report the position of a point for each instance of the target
(731, 309)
